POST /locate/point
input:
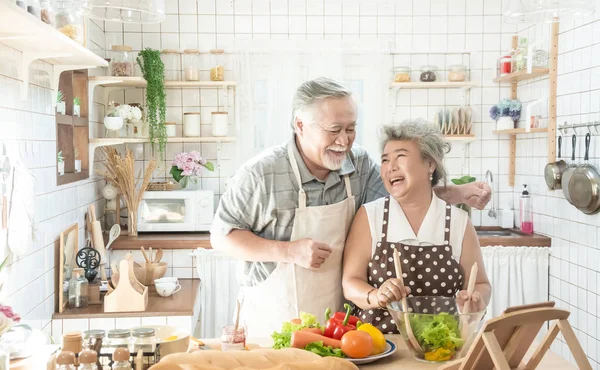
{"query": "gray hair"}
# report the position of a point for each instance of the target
(428, 137)
(312, 92)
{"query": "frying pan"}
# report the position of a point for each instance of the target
(566, 176)
(584, 185)
(553, 171)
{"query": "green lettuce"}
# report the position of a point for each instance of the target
(324, 351)
(283, 338)
(436, 331)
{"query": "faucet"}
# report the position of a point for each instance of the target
(490, 179)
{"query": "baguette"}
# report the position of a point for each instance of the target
(259, 359)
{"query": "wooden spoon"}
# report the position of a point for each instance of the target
(145, 255)
(464, 320)
(159, 255)
(151, 256)
(411, 336)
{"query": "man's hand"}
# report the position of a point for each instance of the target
(308, 253)
(476, 194)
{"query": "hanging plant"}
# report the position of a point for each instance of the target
(153, 70)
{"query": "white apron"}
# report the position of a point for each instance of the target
(291, 289)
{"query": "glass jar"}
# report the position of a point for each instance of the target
(217, 71)
(428, 73)
(457, 73)
(521, 56)
(142, 339)
(232, 339)
(78, 289)
(69, 20)
(47, 14)
(505, 65)
(402, 74)
(116, 338)
(34, 7)
(121, 62)
(539, 59)
(192, 63)
(92, 340)
(171, 60)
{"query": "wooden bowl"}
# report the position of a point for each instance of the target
(146, 273)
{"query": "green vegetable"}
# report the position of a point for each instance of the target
(436, 331)
(283, 339)
(321, 350)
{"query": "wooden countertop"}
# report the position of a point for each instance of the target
(162, 241)
(515, 239)
(179, 304)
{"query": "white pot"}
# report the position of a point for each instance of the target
(61, 107)
(113, 123)
(78, 165)
(61, 168)
(77, 110)
(219, 123)
(505, 123)
(191, 124)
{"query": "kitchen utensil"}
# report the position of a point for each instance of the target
(584, 185)
(115, 231)
(98, 240)
(566, 176)
(151, 256)
(464, 319)
(554, 171)
(89, 260)
(147, 273)
(145, 255)
(237, 314)
(411, 336)
(490, 179)
(159, 255)
(129, 294)
(504, 341)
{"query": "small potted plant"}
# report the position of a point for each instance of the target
(506, 113)
(77, 161)
(77, 106)
(461, 181)
(188, 166)
(61, 107)
(122, 113)
(61, 163)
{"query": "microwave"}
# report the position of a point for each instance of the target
(176, 210)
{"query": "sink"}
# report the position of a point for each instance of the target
(493, 233)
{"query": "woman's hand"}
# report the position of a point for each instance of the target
(475, 301)
(391, 290)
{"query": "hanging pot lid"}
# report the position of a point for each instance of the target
(128, 11)
(547, 11)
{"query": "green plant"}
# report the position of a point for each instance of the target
(60, 97)
(461, 181)
(153, 70)
(77, 100)
(60, 157)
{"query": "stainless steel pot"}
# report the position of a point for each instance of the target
(553, 171)
(566, 176)
(584, 185)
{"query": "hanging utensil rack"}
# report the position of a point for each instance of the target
(564, 129)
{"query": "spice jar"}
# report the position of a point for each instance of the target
(191, 124)
(505, 65)
(192, 62)
(428, 74)
(72, 342)
(66, 360)
(233, 339)
(142, 339)
(171, 60)
(457, 73)
(116, 338)
(47, 14)
(88, 360)
(171, 129)
(217, 72)
(121, 359)
(69, 20)
(92, 340)
(402, 74)
(78, 289)
(121, 63)
(34, 7)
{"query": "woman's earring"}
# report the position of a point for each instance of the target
(431, 176)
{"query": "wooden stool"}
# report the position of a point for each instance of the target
(504, 340)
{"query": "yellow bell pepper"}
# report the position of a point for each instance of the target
(439, 355)
(376, 336)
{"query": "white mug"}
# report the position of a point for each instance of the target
(166, 280)
(167, 289)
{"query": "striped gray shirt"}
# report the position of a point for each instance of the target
(263, 196)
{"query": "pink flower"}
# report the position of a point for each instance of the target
(195, 156)
(8, 312)
(188, 169)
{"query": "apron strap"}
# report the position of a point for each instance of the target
(348, 187)
(386, 217)
(447, 224)
(301, 192)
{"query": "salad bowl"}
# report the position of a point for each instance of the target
(442, 332)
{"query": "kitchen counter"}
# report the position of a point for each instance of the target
(492, 235)
(179, 304)
(162, 241)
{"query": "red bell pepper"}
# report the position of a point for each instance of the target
(336, 328)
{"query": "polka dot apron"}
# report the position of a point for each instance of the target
(427, 270)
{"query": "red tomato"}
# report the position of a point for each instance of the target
(357, 344)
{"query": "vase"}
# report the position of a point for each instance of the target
(132, 224)
(77, 110)
(505, 123)
(78, 165)
(61, 107)
(61, 168)
(113, 123)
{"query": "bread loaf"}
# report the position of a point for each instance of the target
(258, 359)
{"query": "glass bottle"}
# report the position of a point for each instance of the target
(526, 211)
(192, 62)
(457, 73)
(69, 20)
(121, 359)
(521, 60)
(121, 63)
(217, 70)
(66, 361)
(78, 289)
(428, 73)
(143, 339)
(402, 74)
(117, 338)
(87, 360)
(171, 60)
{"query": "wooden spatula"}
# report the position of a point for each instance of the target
(411, 336)
(464, 320)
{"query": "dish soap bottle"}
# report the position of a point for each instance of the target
(526, 211)
(121, 359)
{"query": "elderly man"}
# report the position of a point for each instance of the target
(287, 211)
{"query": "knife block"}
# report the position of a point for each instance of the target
(129, 295)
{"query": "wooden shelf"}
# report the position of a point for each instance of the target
(71, 177)
(162, 241)
(62, 119)
(434, 85)
(463, 138)
(126, 140)
(519, 131)
(134, 82)
(523, 75)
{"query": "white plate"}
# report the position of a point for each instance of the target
(390, 348)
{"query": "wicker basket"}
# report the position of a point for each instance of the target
(161, 186)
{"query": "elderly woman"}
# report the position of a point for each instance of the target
(437, 243)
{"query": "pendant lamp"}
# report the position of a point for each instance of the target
(547, 11)
(128, 11)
